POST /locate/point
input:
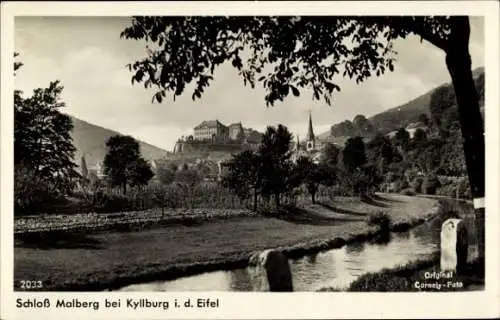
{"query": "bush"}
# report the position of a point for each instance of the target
(33, 194)
(455, 188)
(407, 192)
(380, 219)
(416, 184)
(402, 184)
(430, 184)
(106, 201)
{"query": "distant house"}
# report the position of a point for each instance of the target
(391, 134)
(211, 129)
(413, 127)
(236, 131)
(252, 139)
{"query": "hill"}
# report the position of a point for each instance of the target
(90, 140)
(409, 112)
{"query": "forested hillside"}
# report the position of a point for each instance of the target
(403, 115)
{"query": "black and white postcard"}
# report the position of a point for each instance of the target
(250, 159)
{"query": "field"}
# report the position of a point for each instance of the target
(98, 261)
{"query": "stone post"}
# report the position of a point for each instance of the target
(454, 245)
(270, 271)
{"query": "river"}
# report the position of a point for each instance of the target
(335, 268)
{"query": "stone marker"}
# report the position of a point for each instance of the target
(271, 271)
(454, 245)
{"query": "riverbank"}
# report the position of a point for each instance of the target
(424, 275)
(101, 261)
(420, 275)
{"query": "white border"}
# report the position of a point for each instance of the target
(268, 305)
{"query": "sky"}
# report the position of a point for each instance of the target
(88, 56)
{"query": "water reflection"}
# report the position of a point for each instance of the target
(335, 268)
(355, 248)
(383, 238)
(311, 258)
(240, 280)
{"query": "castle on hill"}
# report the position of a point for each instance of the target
(213, 135)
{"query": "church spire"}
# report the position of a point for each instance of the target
(310, 133)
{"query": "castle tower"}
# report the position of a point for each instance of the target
(310, 139)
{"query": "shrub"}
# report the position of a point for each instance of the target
(430, 184)
(417, 184)
(402, 184)
(106, 201)
(381, 220)
(407, 192)
(455, 188)
(32, 194)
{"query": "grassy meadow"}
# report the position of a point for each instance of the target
(102, 260)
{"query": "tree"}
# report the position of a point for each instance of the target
(343, 129)
(274, 152)
(140, 172)
(402, 139)
(443, 111)
(162, 195)
(419, 138)
(188, 179)
(362, 126)
(424, 119)
(166, 173)
(353, 155)
(312, 175)
(42, 136)
(307, 52)
(330, 156)
(244, 175)
(380, 151)
(429, 158)
(123, 164)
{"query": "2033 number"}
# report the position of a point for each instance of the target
(30, 284)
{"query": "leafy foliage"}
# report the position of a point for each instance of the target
(402, 139)
(313, 175)
(353, 155)
(275, 153)
(431, 184)
(330, 155)
(166, 173)
(140, 173)
(244, 175)
(42, 140)
(32, 193)
(381, 152)
(443, 112)
(123, 164)
(302, 52)
(380, 219)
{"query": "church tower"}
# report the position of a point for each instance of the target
(310, 139)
